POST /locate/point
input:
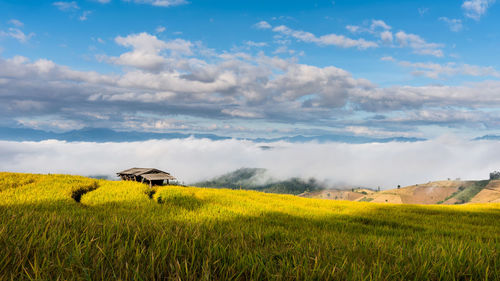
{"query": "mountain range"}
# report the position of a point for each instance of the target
(109, 135)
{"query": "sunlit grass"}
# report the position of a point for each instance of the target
(123, 230)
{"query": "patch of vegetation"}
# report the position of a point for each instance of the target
(221, 234)
(256, 179)
(178, 198)
(79, 191)
(465, 194)
(366, 199)
(460, 189)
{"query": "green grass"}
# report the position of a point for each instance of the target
(466, 194)
(123, 231)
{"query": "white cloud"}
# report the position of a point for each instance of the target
(353, 28)
(375, 27)
(240, 113)
(66, 6)
(84, 15)
(387, 58)
(419, 45)
(177, 77)
(161, 3)
(436, 70)
(382, 31)
(263, 25)
(146, 50)
(17, 23)
(386, 37)
(160, 29)
(325, 40)
(104, 1)
(473, 95)
(18, 34)
(475, 9)
(255, 44)
(455, 25)
(423, 11)
(385, 165)
(379, 24)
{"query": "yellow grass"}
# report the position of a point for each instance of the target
(124, 231)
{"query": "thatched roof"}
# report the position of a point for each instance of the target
(140, 171)
(150, 174)
(158, 176)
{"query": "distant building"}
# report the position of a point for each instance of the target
(151, 175)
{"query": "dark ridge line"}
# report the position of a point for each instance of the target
(78, 193)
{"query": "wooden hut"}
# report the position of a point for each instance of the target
(151, 175)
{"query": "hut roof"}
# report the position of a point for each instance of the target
(158, 176)
(141, 171)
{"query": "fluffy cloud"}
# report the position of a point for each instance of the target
(263, 25)
(17, 23)
(475, 9)
(66, 6)
(84, 15)
(163, 78)
(160, 29)
(384, 165)
(161, 3)
(438, 71)
(374, 27)
(473, 95)
(382, 31)
(419, 45)
(325, 40)
(147, 49)
(18, 34)
(455, 25)
(386, 37)
(379, 24)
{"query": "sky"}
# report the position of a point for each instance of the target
(255, 69)
(252, 68)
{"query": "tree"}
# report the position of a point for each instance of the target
(399, 186)
(495, 175)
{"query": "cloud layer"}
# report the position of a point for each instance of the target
(385, 165)
(176, 77)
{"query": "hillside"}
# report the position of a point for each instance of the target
(257, 179)
(59, 227)
(437, 192)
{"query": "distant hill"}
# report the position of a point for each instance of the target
(109, 135)
(488, 137)
(257, 179)
(437, 192)
(93, 135)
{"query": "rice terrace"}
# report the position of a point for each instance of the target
(60, 227)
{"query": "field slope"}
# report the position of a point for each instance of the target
(58, 227)
(437, 192)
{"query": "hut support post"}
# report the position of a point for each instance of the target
(150, 184)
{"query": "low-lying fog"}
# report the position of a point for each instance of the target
(375, 164)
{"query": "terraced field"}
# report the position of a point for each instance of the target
(59, 227)
(437, 192)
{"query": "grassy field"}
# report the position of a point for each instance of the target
(58, 227)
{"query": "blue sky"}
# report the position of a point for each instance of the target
(252, 68)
